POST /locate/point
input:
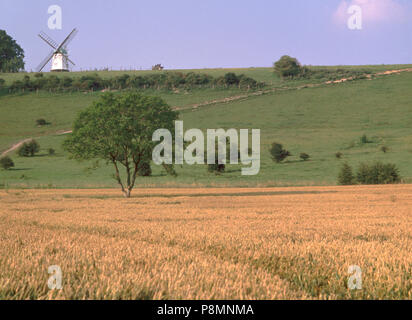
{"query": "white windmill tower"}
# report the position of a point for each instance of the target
(59, 55)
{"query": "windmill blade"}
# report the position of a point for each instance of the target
(48, 40)
(45, 61)
(68, 39)
(71, 61)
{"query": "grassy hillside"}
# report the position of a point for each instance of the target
(319, 121)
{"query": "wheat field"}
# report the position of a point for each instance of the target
(272, 243)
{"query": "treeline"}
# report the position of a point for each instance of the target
(158, 81)
(331, 74)
(290, 68)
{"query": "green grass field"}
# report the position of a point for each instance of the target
(319, 121)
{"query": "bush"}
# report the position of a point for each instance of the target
(384, 149)
(346, 176)
(378, 173)
(278, 153)
(287, 67)
(338, 155)
(41, 122)
(28, 149)
(51, 152)
(216, 167)
(23, 150)
(364, 139)
(144, 169)
(304, 156)
(6, 163)
(2, 81)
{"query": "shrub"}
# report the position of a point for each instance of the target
(216, 167)
(23, 150)
(51, 152)
(6, 163)
(144, 169)
(338, 155)
(378, 173)
(41, 122)
(384, 149)
(346, 176)
(28, 149)
(278, 153)
(364, 139)
(2, 81)
(304, 156)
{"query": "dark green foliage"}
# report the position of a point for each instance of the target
(346, 176)
(287, 67)
(331, 74)
(2, 81)
(144, 169)
(278, 153)
(217, 167)
(378, 173)
(6, 163)
(339, 155)
(304, 156)
(11, 54)
(364, 139)
(28, 149)
(158, 81)
(119, 129)
(41, 122)
(384, 149)
(23, 150)
(51, 152)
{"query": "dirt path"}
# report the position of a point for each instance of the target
(272, 90)
(18, 144)
(238, 98)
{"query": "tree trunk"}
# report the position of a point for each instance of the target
(127, 193)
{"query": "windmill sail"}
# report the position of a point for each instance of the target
(68, 39)
(48, 40)
(59, 56)
(45, 61)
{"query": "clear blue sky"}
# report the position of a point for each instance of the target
(214, 33)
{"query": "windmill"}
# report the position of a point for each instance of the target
(59, 55)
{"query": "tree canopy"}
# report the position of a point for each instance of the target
(287, 67)
(118, 129)
(11, 54)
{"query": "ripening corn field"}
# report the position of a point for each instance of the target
(272, 243)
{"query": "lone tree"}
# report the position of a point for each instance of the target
(287, 67)
(28, 149)
(118, 129)
(278, 153)
(11, 54)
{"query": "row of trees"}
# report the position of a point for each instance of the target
(164, 80)
(373, 173)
